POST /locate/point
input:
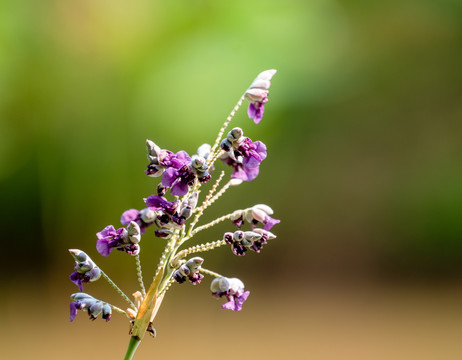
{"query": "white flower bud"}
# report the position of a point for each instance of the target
(152, 148)
(204, 150)
(235, 182)
(147, 215)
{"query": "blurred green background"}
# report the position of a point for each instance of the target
(363, 129)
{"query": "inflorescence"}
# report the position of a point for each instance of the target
(174, 221)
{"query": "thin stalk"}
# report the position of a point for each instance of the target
(132, 346)
(214, 222)
(210, 272)
(225, 125)
(140, 274)
(116, 288)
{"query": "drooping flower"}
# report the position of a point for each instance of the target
(85, 269)
(94, 307)
(121, 239)
(232, 289)
(257, 94)
(189, 271)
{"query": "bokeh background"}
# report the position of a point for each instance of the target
(363, 129)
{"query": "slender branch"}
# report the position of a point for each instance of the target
(210, 272)
(214, 222)
(217, 196)
(196, 249)
(117, 309)
(116, 288)
(225, 125)
(140, 274)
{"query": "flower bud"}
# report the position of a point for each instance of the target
(184, 270)
(199, 163)
(235, 134)
(164, 233)
(238, 236)
(226, 145)
(147, 215)
(204, 150)
(194, 264)
(228, 238)
(235, 182)
(252, 236)
(152, 148)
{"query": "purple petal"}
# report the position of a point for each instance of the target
(251, 111)
(239, 173)
(251, 173)
(230, 305)
(73, 309)
(260, 149)
(129, 215)
(270, 222)
(156, 202)
(179, 189)
(181, 158)
(76, 279)
(103, 247)
(107, 231)
(169, 177)
(259, 114)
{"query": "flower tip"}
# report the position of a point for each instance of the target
(235, 182)
(74, 251)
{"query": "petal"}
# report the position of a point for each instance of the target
(169, 177)
(260, 149)
(239, 173)
(259, 114)
(251, 111)
(155, 201)
(129, 215)
(252, 173)
(73, 309)
(270, 222)
(76, 279)
(107, 231)
(102, 246)
(179, 189)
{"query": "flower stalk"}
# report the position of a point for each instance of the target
(174, 220)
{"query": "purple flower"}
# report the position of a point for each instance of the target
(85, 269)
(121, 239)
(257, 94)
(94, 307)
(256, 110)
(243, 155)
(144, 218)
(232, 289)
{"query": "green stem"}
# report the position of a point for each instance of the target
(132, 346)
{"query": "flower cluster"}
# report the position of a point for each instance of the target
(241, 241)
(243, 155)
(94, 307)
(189, 270)
(85, 269)
(174, 211)
(179, 171)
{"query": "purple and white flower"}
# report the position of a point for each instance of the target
(232, 289)
(241, 241)
(243, 155)
(257, 214)
(85, 269)
(94, 307)
(257, 94)
(121, 239)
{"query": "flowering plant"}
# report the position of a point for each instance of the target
(182, 176)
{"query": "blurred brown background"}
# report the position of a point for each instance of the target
(363, 130)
